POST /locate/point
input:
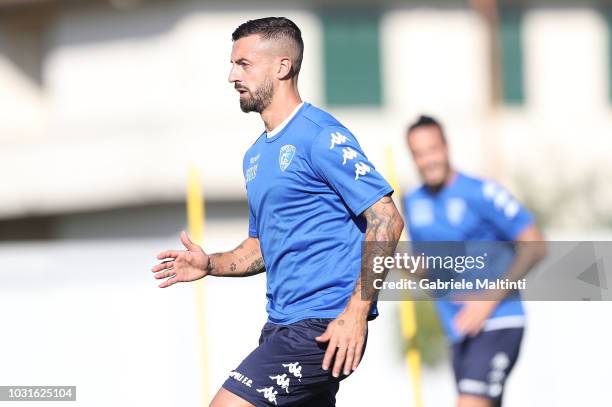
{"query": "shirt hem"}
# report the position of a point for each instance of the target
(325, 315)
(373, 199)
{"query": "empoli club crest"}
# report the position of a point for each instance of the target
(285, 156)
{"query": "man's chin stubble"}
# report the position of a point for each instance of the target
(252, 106)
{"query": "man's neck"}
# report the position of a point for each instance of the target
(281, 107)
(448, 180)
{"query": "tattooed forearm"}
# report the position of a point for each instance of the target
(384, 221)
(384, 228)
(256, 267)
(245, 260)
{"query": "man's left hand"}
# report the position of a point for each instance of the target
(345, 336)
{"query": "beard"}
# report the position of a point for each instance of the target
(258, 100)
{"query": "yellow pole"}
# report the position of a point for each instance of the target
(195, 221)
(407, 309)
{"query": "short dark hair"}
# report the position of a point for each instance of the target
(274, 28)
(424, 121)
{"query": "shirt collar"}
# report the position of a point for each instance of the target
(281, 126)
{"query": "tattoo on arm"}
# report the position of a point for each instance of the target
(255, 267)
(214, 267)
(384, 227)
(383, 220)
(233, 264)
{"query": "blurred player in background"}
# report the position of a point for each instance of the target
(450, 206)
(313, 198)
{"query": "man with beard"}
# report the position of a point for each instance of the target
(485, 333)
(313, 199)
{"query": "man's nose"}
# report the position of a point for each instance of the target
(233, 77)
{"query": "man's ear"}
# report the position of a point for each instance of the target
(284, 68)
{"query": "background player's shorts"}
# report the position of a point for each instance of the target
(285, 369)
(482, 363)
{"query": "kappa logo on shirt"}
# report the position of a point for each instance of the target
(361, 169)
(348, 154)
(337, 138)
(286, 154)
(502, 200)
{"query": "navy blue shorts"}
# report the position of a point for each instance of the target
(285, 369)
(482, 363)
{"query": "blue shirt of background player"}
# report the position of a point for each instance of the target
(306, 187)
(469, 209)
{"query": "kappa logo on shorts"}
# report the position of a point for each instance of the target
(286, 154)
(269, 393)
(496, 376)
(500, 361)
(295, 369)
(282, 381)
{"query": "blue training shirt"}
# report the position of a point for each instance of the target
(469, 209)
(307, 187)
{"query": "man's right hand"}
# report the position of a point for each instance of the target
(182, 265)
